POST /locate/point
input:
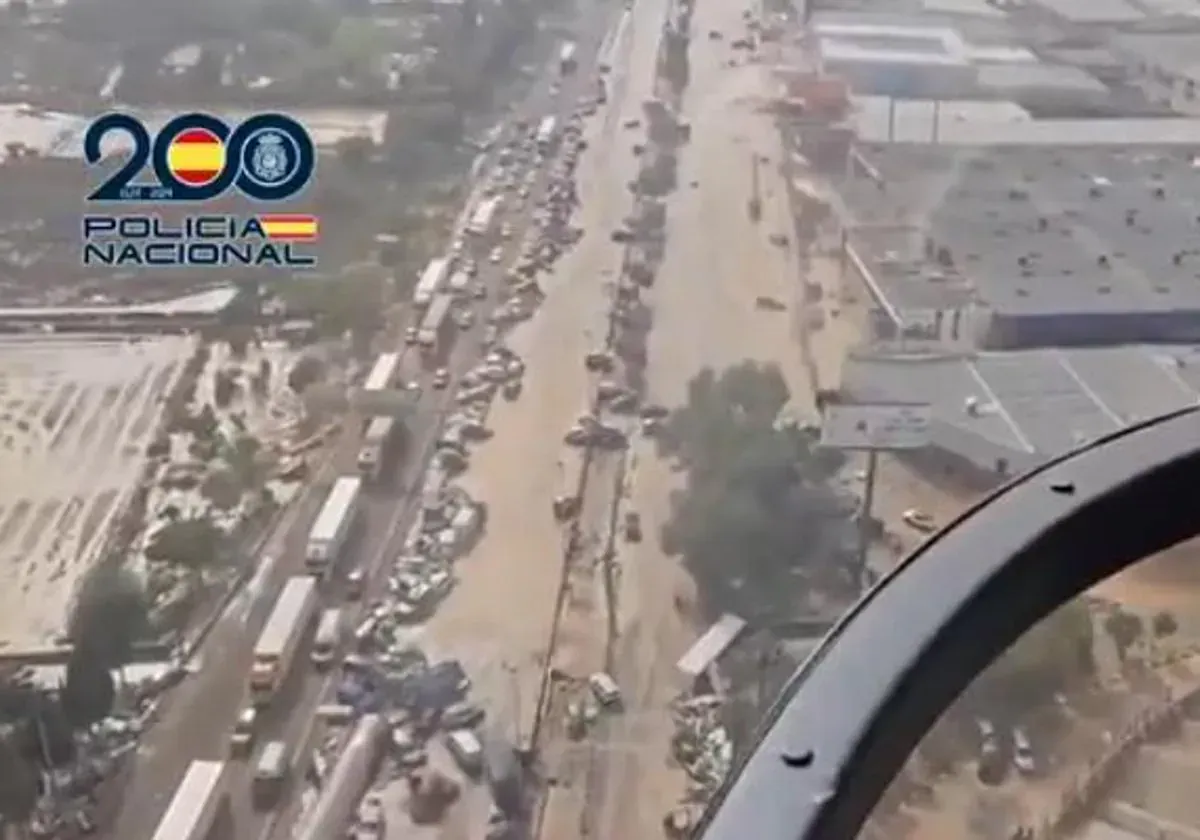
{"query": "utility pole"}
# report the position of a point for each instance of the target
(873, 428)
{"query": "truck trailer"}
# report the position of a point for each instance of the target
(431, 281)
(284, 634)
(334, 524)
(568, 60)
(200, 809)
(380, 444)
(437, 330)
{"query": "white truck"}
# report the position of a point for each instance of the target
(200, 808)
(378, 448)
(431, 281)
(284, 634)
(334, 524)
(567, 58)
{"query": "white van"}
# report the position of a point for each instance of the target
(328, 638)
(605, 689)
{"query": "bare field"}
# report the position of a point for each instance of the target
(76, 416)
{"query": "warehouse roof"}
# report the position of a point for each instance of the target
(1044, 231)
(1028, 406)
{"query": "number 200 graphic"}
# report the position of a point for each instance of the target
(197, 157)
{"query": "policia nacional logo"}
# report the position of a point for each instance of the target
(196, 158)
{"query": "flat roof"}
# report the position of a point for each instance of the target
(1030, 405)
(905, 282)
(1094, 11)
(1148, 131)
(1024, 77)
(210, 302)
(1047, 231)
(1174, 52)
(884, 119)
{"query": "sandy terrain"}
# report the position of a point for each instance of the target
(717, 263)
(78, 417)
(498, 621)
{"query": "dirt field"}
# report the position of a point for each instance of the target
(77, 415)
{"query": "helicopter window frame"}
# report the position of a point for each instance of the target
(860, 704)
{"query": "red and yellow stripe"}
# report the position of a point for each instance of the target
(289, 227)
(196, 157)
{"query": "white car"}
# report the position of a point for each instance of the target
(919, 520)
(410, 335)
(441, 379)
(496, 256)
(465, 319)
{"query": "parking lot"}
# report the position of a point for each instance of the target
(78, 416)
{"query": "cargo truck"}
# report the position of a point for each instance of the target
(568, 61)
(333, 527)
(379, 445)
(437, 330)
(200, 809)
(284, 634)
(431, 281)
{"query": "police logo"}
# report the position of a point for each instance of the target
(269, 158)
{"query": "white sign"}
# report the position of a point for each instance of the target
(876, 426)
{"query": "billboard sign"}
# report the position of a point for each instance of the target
(879, 426)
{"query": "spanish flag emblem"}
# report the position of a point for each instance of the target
(289, 227)
(196, 157)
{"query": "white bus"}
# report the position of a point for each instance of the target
(200, 808)
(333, 526)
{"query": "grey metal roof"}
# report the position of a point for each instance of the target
(1028, 406)
(1030, 228)
(903, 279)
(1173, 52)
(1094, 11)
(1022, 76)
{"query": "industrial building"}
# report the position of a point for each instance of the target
(1036, 247)
(1004, 413)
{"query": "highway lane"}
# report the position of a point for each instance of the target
(390, 523)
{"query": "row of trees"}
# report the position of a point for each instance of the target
(758, 522)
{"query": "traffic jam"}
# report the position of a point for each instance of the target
(387, 700)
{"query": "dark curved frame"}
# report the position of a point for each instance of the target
(855, 710)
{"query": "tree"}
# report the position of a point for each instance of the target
(1052, 654)
(18, 783)
(1125, 629)
(111, 615)
(194, 544)
(757, 522)
(308, 370)
(1164, 625)
(88, 694)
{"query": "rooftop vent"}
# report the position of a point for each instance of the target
(1159, 192)
(1102, 261)
(1104, 290)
